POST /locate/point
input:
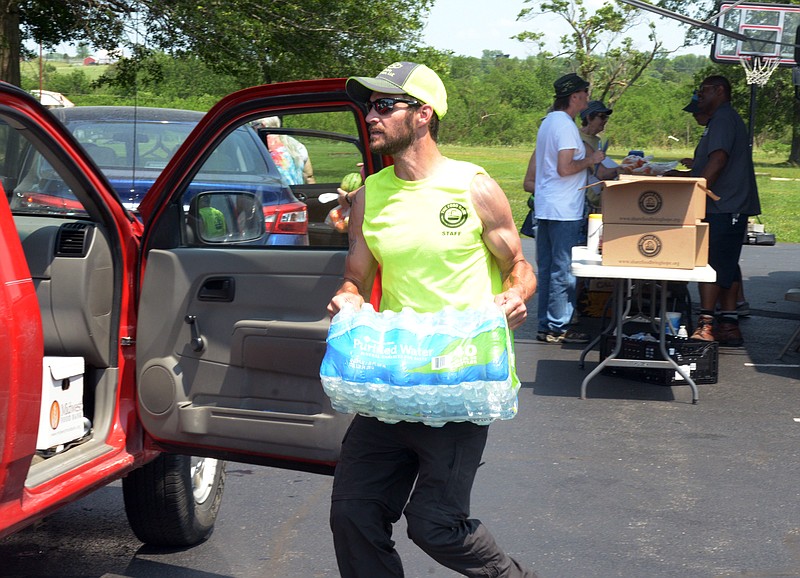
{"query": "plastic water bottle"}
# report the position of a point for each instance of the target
(432, 368)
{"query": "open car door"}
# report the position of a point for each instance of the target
(231, 330)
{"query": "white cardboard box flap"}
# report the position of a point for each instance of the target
(66, 367)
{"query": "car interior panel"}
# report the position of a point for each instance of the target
(254, 355)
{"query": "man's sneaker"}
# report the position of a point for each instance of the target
(705, 329)
(572, 336)
(569, 336)
(729, 335)
(549, 337)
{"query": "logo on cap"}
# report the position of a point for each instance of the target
(391, 69)
(453, 215)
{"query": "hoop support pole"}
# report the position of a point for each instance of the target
(751, 128)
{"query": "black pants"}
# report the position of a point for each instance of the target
(376, 473)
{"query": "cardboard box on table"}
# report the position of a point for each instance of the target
(654, 222)
(633, 200)
(664, 246)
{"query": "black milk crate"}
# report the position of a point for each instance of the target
(701, 357)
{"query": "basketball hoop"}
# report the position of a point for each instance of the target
(758, 68)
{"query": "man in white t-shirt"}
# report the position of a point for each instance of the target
(561, 164)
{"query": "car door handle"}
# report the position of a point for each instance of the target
(217, 289)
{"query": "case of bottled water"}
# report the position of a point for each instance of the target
(434, 368)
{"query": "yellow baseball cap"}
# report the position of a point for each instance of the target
(409, 78)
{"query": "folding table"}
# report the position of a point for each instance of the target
(588, 264)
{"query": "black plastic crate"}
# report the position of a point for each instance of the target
(702, 357)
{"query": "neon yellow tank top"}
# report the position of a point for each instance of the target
(426, 236)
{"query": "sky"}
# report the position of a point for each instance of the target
(468, 27)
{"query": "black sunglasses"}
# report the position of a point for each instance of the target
(385, 105)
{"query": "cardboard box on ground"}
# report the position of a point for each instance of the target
(594, 296)
(61, 414)
(655, 222)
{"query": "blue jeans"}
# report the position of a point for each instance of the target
(554, 242)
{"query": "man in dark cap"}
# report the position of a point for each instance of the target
(561, 164)
(443, 235)
(702, 117)
(723, 157)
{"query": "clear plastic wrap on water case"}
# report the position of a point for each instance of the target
(432, 368)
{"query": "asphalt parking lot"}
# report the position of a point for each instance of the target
(637, 481)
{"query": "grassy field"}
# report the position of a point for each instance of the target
(778, 183)
(30, 68)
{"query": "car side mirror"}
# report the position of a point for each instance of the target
(225, 217)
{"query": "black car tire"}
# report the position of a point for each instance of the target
(174, 500)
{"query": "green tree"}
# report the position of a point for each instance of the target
(596, 44)
(158, 79)
(72, 83)
(497, 100)
(49, 22)
(83, 50)
(261, 42)
(252, 40)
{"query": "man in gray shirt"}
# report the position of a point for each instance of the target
(724, 158)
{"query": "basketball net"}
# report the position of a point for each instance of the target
(758, 68)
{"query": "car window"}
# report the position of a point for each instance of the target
(329, 149)
(30, 181)
(116, 145)
(241, 153)
(130, 155)
(10, 154)
(242, 164)
(294, 163)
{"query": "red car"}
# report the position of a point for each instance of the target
(131, 346)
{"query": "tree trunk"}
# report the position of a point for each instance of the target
(10, 42)
(794, 155)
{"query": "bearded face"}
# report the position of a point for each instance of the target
(393, 137)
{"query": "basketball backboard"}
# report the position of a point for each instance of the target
(772, 28)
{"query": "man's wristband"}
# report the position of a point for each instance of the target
(348, 199)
